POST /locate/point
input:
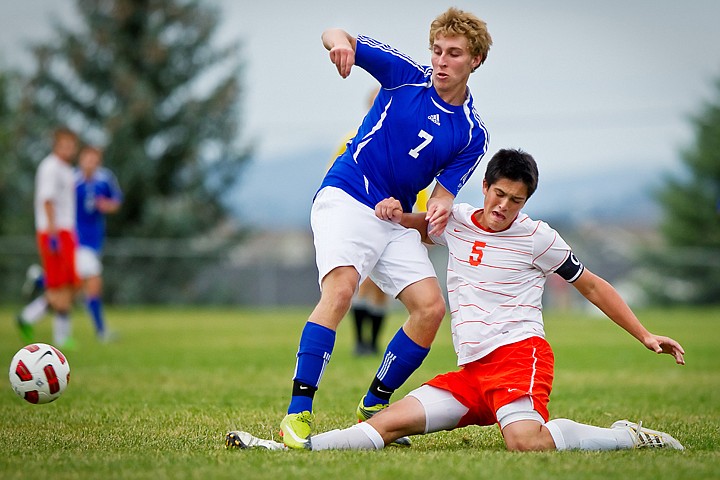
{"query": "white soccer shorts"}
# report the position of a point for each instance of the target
(87, 262)
(347, 233)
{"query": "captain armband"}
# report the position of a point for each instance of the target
(571, 269)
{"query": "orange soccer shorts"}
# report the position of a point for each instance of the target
(508, 373)
(58, 260)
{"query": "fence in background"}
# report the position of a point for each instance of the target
(269, 269)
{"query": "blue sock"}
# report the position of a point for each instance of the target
(316, 346)
(402, 357)
(94, 306)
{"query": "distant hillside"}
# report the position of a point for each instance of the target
(276, 194)
(618, 198)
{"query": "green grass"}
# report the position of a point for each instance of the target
(157, 403)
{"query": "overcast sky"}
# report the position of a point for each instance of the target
(582, 85)
(579, 84)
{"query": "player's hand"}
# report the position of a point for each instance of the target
(343, 57)
(103, 204)
(438, 214)
(54, 243)
(660, 344)
(389, 209)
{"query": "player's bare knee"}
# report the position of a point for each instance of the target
(527, 442)
(522, 444)
(60, 304)
(339, 296)
(431, 314)
(344, 295)
(424, 323)
(438, 310)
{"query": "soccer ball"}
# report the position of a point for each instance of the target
(39, 373)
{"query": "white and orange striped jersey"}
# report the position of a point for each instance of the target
(495, 280)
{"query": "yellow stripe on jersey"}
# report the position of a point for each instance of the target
(421, 201)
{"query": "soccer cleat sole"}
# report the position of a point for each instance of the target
(233, 440)
(244, 440)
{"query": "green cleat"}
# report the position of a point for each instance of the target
(295, 429)
(27, 332)
(364, 413)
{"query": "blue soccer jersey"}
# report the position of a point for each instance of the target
(90, 221)
(409, 137)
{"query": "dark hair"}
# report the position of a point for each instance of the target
(515, 165)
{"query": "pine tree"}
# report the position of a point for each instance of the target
(691, 223)
(16, 187)
(143, 79)
(16, 181)
(6, 186)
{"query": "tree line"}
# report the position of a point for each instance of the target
(145, 81)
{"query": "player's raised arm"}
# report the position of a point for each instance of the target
(341, 46)
(606, 298)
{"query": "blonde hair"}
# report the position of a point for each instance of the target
(455, 22)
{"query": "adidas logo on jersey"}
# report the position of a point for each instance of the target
(435, 119)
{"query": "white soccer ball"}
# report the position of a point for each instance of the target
(39, 373)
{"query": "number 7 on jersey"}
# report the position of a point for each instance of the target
(427, 138)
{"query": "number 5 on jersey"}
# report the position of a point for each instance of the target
(476, 254)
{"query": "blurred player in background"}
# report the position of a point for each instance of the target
(97, 194)
(422, 126)
(369, 308)
(498, 262)
(55, 231)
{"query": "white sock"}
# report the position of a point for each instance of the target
(569, 435)
(62, 329)
(358, 437)
(34, 310)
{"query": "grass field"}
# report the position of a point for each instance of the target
(157, 403)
